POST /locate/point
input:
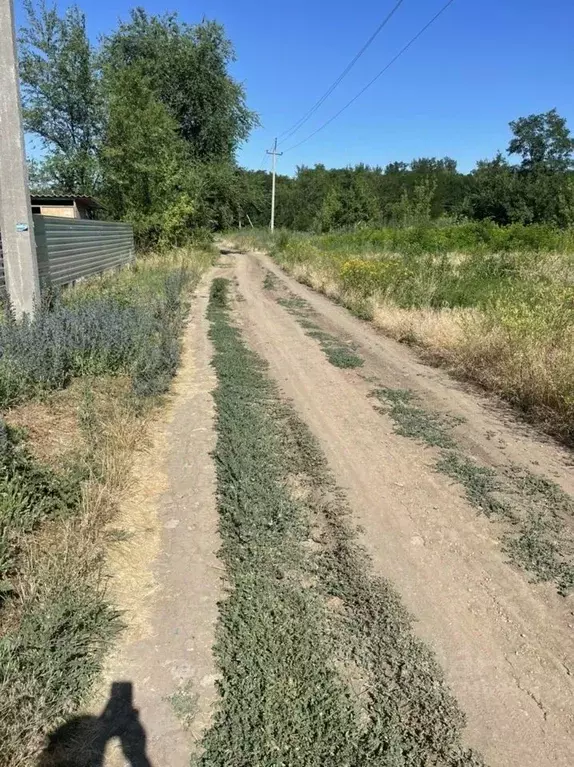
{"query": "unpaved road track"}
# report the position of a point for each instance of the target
(506, 645)
(168, 574)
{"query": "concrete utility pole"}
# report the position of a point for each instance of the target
(16, 223)
(275, 154)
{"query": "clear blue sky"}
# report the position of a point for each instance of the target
(483, 63)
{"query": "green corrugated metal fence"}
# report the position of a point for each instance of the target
(71, 248)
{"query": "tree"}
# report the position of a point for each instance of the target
(187, 67)
(543, 141)
(497, 194)
(62, 95)
(142, 155)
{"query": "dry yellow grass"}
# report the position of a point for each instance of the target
(533, 370)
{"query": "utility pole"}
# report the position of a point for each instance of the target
(16, 223)
(275, 154)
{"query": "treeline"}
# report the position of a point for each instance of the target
(537, 188)
(148, 120)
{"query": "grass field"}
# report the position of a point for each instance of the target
(76, 385)
(318, 662)
(496, 305)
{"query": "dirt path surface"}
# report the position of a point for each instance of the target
(169, 576)
(506, 645)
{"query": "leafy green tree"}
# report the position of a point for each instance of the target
(543, 141)
(61, 90)
(187, 67)
(495, 193)
(142, 155)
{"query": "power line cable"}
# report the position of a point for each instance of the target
(373, 81)
(307, 116)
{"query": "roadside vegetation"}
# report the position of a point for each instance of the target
(496, 305)
(76, 385)
(319, 665)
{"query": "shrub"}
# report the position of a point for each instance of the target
(116, 333)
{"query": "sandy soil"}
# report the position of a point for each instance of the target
(506, 645)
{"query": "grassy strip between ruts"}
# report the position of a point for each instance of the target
(318, 662)
(536, 517)
(339, 353)
(89, 369)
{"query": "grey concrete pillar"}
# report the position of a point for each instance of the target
(16, 223)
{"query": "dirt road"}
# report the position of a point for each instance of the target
(506, 645)
(166, 576)
(462, 561)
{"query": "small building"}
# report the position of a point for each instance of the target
(64, 207)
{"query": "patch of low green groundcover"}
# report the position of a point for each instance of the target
(414, 421)
(30, 494)
(339, 353)
(285, 695)
(50, 654)
(531, 509)
(49, 662)
(184, 702)
(270, 281)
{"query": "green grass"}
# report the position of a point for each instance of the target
(270, 281)
(184, 703)
(534, 515)
(318, 662)
(56, 620)
(414, 421)
(338, 353)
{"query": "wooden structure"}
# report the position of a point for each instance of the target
(64, 207)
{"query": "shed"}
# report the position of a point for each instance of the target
(65, 207)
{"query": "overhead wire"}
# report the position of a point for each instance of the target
(307, 116)
(375, 78)
(263, 160)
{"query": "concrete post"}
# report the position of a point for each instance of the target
(16, 223)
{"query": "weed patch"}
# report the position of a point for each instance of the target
(30, 494)
(270, 281)
(338, 353)
(286, 695)
(536, 516)
(184, 703)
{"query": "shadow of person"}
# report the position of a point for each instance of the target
(81, 742)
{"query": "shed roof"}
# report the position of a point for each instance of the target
(58, 199)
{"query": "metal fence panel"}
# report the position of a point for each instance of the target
(71, 248)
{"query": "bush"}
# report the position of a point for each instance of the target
(124, 333)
